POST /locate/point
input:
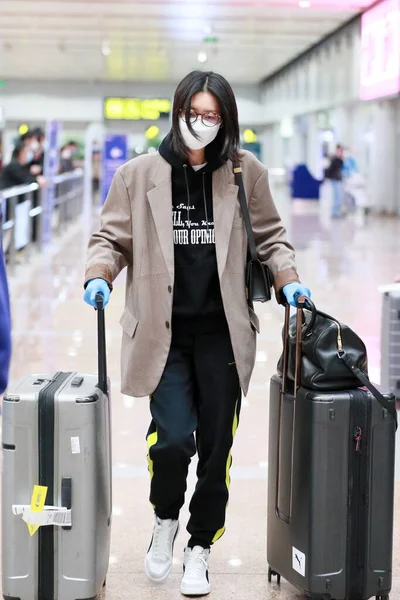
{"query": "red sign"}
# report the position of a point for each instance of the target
(380, 51)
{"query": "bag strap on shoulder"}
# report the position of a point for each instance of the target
(237, 170)
(363, 378)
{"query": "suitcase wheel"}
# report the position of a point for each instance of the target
(272, 573)
(382, 597)
(105, 583)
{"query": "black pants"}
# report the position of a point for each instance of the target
(199, 393)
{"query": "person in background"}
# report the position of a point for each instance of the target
(30, 139)
(37, 146)
(174, 219)
(67, 154)
(16, 172)
(66, 160)
(334, 173)
(74, 147)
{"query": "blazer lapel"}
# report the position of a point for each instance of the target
(160, 200)
(225, 198)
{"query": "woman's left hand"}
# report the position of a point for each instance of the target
(293, 291)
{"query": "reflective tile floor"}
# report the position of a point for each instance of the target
(342, 262)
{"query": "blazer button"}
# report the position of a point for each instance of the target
(170, 289)
(167, 325)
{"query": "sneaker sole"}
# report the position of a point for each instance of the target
(191, 591)
(164, 577)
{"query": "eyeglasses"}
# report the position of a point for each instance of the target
(209, 119)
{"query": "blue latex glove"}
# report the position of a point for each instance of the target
(94, 287)
(293, 291)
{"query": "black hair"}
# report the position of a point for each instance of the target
(227, 142)
(29, 135)
(19, 147)
(71, 143)
(38, 133)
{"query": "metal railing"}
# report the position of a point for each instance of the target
(23, 210)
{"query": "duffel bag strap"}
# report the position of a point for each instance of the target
(363, 378)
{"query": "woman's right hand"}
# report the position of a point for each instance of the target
(94, 287)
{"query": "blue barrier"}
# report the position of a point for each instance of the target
(303, 185)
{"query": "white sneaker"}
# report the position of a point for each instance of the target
(195, 572)
(158, 561)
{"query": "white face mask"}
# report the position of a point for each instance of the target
(35, 146)
(206, 134)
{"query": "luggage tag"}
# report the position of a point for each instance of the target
(38, 514)
(37, 504)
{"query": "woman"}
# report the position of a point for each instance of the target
(173, 218)
(17, 172)
(334, 173)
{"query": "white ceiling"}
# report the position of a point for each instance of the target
(159, 40)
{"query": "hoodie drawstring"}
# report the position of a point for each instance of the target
(205, 200)
(188, 197)
(188, 193)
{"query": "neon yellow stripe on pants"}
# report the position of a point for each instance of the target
(221, 531)
(151, 441)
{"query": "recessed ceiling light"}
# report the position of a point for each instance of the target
(208, 29)
(105, 48)
(304, 3)
(202, 57)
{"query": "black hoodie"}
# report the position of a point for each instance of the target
(197, 302)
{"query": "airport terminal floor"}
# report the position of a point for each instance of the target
(53, 329)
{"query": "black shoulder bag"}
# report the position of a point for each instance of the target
(258, 276)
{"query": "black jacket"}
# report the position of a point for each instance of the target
(197, 302)
(334, 171)
(15, 174)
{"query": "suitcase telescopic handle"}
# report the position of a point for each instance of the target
(101, 345)
(301, 303)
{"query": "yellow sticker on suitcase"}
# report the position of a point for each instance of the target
(38, 502)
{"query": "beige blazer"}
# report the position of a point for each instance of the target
(136, 232)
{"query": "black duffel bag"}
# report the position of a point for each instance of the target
(330, 356)
(324, 344)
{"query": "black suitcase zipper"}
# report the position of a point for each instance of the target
(360, 412)
(46, 415)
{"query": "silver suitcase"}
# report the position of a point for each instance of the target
(57, 434)
(390, 342)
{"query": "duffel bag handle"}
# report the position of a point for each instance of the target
(301, 303)
(307, 303)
